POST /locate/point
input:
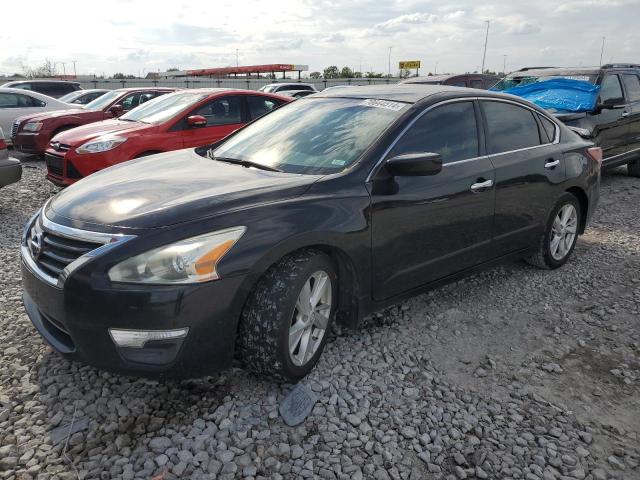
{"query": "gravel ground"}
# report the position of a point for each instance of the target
(512, 373)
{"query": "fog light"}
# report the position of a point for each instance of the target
(138, 338)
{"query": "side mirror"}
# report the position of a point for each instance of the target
(610, 104)
(196, 121)
(414, 164)
(116, 110)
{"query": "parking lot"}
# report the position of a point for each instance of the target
(511, 373)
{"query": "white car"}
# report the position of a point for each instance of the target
(280, 87)
(15, 102)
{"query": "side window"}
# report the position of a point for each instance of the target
(549, 128)
(477, 83)
(16, 100)
(23, 86)
(138, 98)
(8, 100)
(610, 89)
(259, 106)
(449, 130)
(509, 127)
(221, 111)
(632, 86)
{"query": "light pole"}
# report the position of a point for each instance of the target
(74, 69)
(435, 70)
(504, 64)
(602, 50)
(486, 38)
(64, 69)
(237, 63)
(390, 60)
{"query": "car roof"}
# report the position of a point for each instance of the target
(405, 92)
(53, 80)
(543, 72)
(136, 89)
(288, 83)
(27, 92)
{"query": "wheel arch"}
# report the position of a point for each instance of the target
(583, 200)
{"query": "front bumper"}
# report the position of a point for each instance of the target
(10, 171)
(75, 320)
(31, 142)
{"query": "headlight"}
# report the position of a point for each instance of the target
(32, 127)
(187, 261)
(101, 145)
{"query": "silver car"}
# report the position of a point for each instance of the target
(10, 168)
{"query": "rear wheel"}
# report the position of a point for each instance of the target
(634, 168)
(560, 235)
(285, 323)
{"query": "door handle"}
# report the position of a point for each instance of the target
(480, 186)
(551, 163)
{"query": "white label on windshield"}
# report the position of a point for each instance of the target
(372, 102)
(584, 78)
(338, 163)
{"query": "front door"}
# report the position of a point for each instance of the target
(610, 127)
(631, 82)
(223, 114)
(425, 228)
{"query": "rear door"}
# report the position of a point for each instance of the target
(223, 114)
(529, 169)
(631, 113)
(426, 228)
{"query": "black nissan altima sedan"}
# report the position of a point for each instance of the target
(324, 210)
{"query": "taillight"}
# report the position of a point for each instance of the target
(596, 154)
(3, 144)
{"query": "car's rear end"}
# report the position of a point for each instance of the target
(10, 168)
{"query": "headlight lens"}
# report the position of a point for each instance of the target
(32, 127)
(187, 261)
(101, 145)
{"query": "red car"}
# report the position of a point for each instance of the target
(34, 132)
(188, 118)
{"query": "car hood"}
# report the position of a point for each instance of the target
(166, 189)
(79, 135)
(71, 112)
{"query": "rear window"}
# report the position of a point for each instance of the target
(509, 127)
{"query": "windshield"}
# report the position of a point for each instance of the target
(163, 108)
(313, 135)
(510, 82)
(69, 97)
(102, 101)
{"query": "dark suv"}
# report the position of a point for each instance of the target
(52, 88)
(614, 124)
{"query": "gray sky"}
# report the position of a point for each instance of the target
(140, 36)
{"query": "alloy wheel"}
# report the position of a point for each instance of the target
(310, 318)
(563, 232)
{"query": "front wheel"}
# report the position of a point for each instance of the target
(633, 168)
(285, 323)
(560, 235)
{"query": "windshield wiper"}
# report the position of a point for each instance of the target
(247, 163)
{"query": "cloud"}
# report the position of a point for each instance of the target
(524, 28)
(334, 38)
(185, 34)
(403, 23)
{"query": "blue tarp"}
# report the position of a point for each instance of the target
(562, 95)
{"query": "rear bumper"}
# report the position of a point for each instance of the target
(29, 142)
(10, 171)
(75, 320)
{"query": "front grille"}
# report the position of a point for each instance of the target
(14, 128)
(52, 252)
(60, 147)
(54, 164)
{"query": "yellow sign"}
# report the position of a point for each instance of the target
(409, 64)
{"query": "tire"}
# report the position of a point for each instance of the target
(272, 310)
(633, 168)
(551, 255)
